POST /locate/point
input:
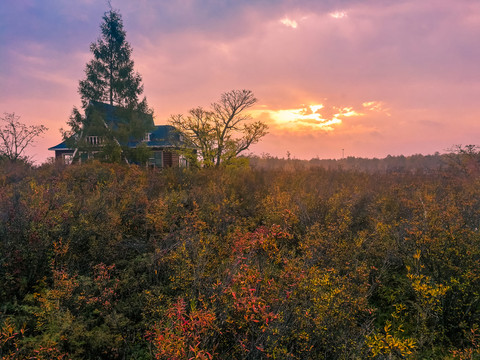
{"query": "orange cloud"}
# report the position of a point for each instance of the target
(308, 117)
(376, 106)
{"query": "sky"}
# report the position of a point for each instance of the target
(332, 77)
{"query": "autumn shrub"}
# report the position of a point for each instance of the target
(116, 261)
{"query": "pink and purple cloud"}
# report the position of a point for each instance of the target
(373, 78)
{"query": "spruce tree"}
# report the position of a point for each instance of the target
(110, 76)
(111, 79)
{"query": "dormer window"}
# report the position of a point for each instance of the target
(147, 137)
(94, 140)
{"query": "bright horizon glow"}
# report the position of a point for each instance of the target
(308, 116)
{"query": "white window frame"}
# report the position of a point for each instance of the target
(94, 140)
(67, 158)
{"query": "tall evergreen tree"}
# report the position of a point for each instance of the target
(110, 76)
(111, 79)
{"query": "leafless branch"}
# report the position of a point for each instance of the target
(16, 136)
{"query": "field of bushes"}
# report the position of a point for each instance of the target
(107, 261)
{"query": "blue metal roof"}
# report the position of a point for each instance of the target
(161, 136)
(61, 146)
(164, 135)
(114, 116)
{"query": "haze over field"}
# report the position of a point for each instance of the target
(373, 78)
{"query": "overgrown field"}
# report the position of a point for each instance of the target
(101, 261)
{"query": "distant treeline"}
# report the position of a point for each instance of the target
(417, 163)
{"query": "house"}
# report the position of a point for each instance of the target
(162, 141)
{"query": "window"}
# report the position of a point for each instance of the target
(182, 161)
(94, 140)
(156, 160)
(67, 158)
(147, 137)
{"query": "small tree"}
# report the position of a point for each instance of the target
(15, 136)
(221, 133)
(465, 159)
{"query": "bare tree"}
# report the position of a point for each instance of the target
(465, 159)
(223, 132)
(16, 136)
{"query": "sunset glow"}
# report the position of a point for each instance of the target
(318, 117)
(308, 117)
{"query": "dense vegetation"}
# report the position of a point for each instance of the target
(113, 262)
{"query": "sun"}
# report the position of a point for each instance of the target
(310, 117)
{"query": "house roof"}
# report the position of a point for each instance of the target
(114, 116)
(161, 136)
(61, 146)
